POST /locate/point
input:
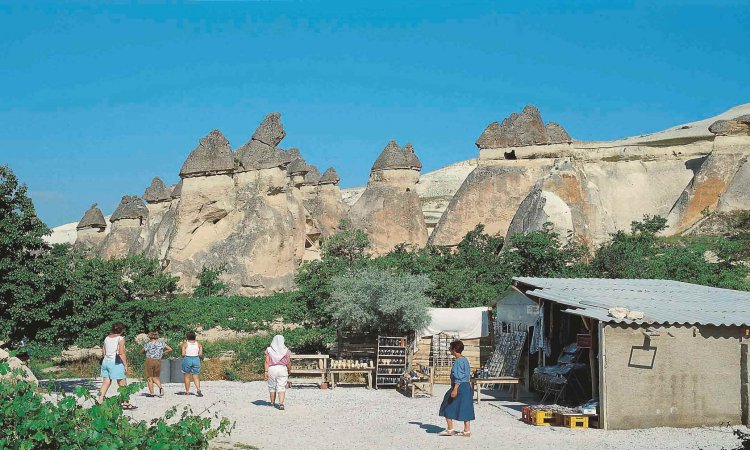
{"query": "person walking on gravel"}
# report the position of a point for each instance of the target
(154, 350)
(192, 352)
(458, 403)
(114, 362)
(278, 367)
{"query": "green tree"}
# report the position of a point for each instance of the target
(349, 243)
(379, 301)
(209, 284)
(21, 250)
(542, 254)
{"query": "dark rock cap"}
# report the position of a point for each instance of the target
(177, 190)
(523, 129)
(298, 166)
(739, 126)
(557, 134)
(212, 156)
(92, 219)
(312, 177)
(157, 192)
(329, 177)
(395, 157)
(256, 155)
(270, 131)
(130, 208)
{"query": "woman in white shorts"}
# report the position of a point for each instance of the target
(278, 368)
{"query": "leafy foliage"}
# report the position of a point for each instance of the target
(22, 250)
(373, 300)
(209, 284)
(28, 421)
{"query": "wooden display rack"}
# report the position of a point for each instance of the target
(391, 360)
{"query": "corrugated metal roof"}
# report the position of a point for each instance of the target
(661, 301)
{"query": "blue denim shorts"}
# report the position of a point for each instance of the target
(111, 370)
(191, 365)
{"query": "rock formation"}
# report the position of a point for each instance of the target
(389, 210)
(723, 180)
(91, 229)
(128, 222)
(261, 211)
(518, 130)
(586, 189)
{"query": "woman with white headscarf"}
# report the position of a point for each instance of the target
(278, 368)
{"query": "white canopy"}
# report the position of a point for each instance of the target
(464, 323)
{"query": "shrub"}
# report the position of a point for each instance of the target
(373, 300)
(27, 421)
(209, 284)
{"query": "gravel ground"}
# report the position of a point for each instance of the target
(354, 417)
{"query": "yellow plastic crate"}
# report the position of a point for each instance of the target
(541, 418)
(572, 421)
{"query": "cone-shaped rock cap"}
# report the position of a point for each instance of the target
(255, 155)
(212, 156)
(329, 177)
(517, 130)
(312, 176)
(556, 134)
(297, 166)
(739, 126)
(270, 131)
(92, 219)
(177, 190)
(395, 157)
(157, 192)
(130, 208)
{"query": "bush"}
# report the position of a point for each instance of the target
(27, 421)
(209, 284)
(380, 301)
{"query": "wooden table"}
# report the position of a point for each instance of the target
(321, 370)
(368, 373)
(479, 382)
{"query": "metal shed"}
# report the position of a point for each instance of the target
(684, 363)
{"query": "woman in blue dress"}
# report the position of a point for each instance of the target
(458, 403)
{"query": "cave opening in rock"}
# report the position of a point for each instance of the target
(510, 155)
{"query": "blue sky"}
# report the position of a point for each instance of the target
(96, 100)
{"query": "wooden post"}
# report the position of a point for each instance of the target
(589, 324)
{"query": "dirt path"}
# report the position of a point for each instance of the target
(352, 417)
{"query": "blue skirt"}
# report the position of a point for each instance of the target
(459, 408)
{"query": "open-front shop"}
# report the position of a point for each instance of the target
(649, 353)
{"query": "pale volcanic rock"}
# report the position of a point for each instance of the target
(212, 156)
(389, 210)
(157, 192)
(737, 195)
(176, 190)
(327, 207)
(569, 202)
(722, 172)
(490, 195)
(128, 223)
(242, 222)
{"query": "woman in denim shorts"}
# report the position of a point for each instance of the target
(192, 351)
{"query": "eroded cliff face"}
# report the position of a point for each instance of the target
(722, 181)
(588, 190)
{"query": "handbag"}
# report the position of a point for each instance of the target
(118, 360)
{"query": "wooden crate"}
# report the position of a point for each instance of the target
(477, 351)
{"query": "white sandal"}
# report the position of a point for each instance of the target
(448, 433)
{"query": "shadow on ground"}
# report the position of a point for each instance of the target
(428, 427)
(69, 386)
